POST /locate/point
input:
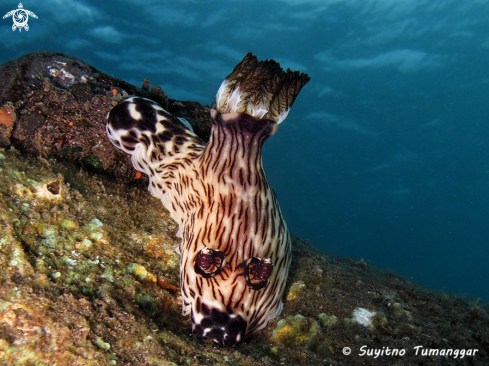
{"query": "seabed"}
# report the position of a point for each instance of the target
(89, 276)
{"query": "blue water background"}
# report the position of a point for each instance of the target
(385, 155)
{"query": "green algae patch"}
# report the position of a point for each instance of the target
(58, 242)
(327, 321)
(68, 225)
(93, 163)
(296, 290)
(295, 329)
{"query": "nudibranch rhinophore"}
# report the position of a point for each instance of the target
(235, 249)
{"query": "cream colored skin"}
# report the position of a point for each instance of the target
(219, 196)
(263, 234)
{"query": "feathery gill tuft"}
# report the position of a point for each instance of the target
(260, 89)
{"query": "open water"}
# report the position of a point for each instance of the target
(384, 156)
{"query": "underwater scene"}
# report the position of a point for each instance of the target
(293, 182)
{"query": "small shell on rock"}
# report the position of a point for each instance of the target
(141, 273)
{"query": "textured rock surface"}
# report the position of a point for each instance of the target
(52, 105)
(88, 273)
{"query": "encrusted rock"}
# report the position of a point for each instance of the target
(52, 105)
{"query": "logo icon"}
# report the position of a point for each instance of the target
(20, 17)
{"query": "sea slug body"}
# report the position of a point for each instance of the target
(235, 249)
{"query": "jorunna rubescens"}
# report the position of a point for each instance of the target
(235, 249)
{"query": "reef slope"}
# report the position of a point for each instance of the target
(89, 276)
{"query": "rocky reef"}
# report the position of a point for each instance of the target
(89, 275)
(52, 105)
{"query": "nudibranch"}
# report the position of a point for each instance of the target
(235, 249)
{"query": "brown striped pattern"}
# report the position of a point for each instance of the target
(240, 216)
(235, 249)
(221, 199)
